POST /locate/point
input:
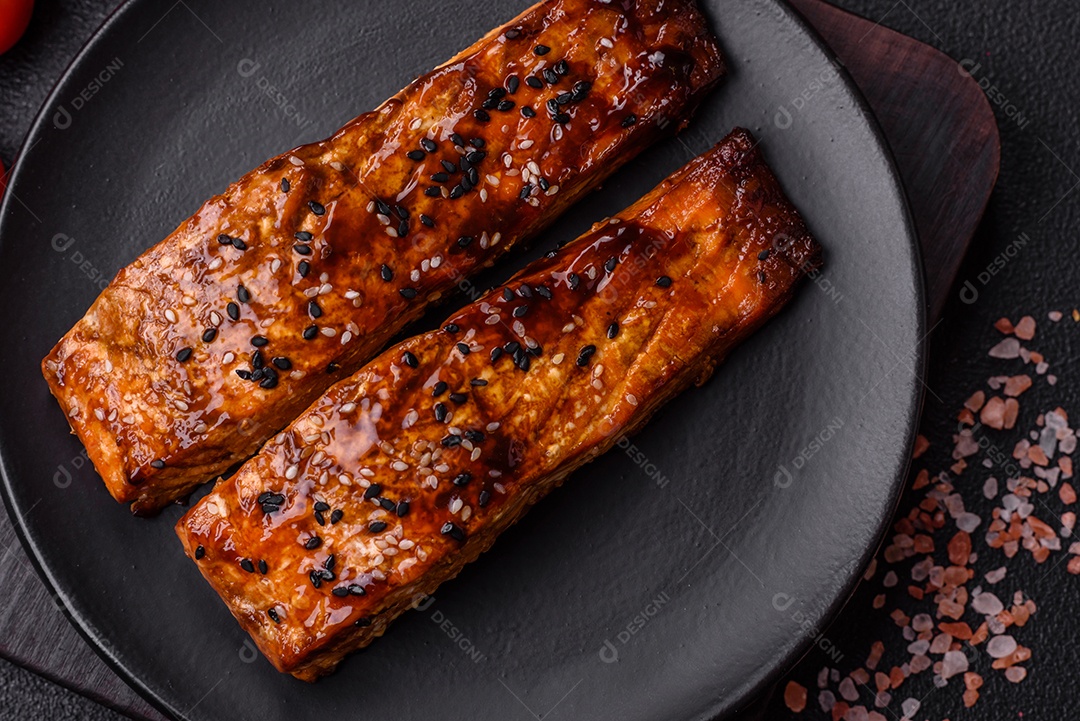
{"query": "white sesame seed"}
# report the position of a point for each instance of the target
(496, 238)
(512, 173)
(650, 304)
(215, 318)
(475, 454)
(492, 427)
(170, 315)
(392, 232)
(328, 332)
(519, 327)
(200, 428)
(598, 370)
(336, 165)
(346, 337)
(508, 159)
(344, 480)
(436, 261)
(295, 160)
(415, 124)
(455, 505)
(598, 384)
(99, 414)
(410, 418)
(311, 292)
(525, 144)
(113, 414)
(569, 327)
(557, 133)
(631, 399)
(376, 573)
(399, 466)
(406, 545)
(367, 473)
(180, 405)
(552, 190)
(215, 263)
(414, 276)
(606, 43)
(425, 264)
(325, 288)
(108, 366)
(499, 488)
(74, 411)
(493, 179)
(533, 167)
(291, 471)
(492, 320)
(558, 358)
(442, 467)
(483, 195)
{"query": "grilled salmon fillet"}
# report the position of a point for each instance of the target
(400, 475)
(301, 271)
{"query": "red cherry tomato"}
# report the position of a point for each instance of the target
(14, 17)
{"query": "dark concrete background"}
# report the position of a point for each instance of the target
(1030, 51)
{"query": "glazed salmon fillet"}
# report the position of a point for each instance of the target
(301, 271)
(400, 475)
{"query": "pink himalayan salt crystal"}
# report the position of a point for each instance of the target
(1016, 674)
(996, 575)
(953, 663)
(1025, 329)
(1001, 646)
(1054, 315)
(987, 604)
(1007, 349)
(847, 689)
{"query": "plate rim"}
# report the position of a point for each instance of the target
(749, 693)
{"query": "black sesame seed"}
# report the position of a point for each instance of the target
(496, 353)
(282, 362)
(312, 543)
(439, 389)
(534, 82)
(316, 207)
(303, 268)
(456, 192)
(481, 115)
(247, 565)
(272, 613)
(574, 279)
(239, 244)
(427, 220)
(372, 491)
(157, 463)
(663, 281)
(613, 330)
(302, 249)
(242, 294)
(440, 412)
(285, 185)
(458, 398)
(451, 441)
(485, 498)
(386, 503)
(377, 526)
(303, 235)
(209, 335)
(462, 479)
(449, 529)
(465, 240)
(416, 155)
(490, 104)
(313, 309)
(761, 276)
(449, 167)
(326, 575)
(525, 291)
(224, 239)
(543, 292)
(562, 67)
(513, 83)
(183, 355)
(544, 184)
(407, 293)
(259, 341)
(386, 272)
(763, 255)
(333, 367)
(245, 375)
(200, 552)
(340, 591)
(561, 118)
(432, 192)
(402, 212)
(564, 98)
(463, 348)
(336, 516)
(357, 590)
(505, 106)
(410, 360)
(475, 436)
(319, 518)
(382, 206)
(528, 112)
(315, 578)
(270, 380)
(322, 506)
(512, 347)
(310, 332)
(457, 140)
(522, 362)
(550, 76)
(513, 34)
(541, 50)
(440, 177)
(403, 228)
(535, 351)
(233, 310)
(476, 157)
(629, 120)
(479, 382)
(257, 375)
(257, 360)
(585, 354)
(263, 568)
(520, 311)
(526, 191)
(428, 145)
(610, 263)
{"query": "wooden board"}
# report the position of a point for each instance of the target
(944, 136)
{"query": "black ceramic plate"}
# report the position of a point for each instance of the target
(670, 579)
